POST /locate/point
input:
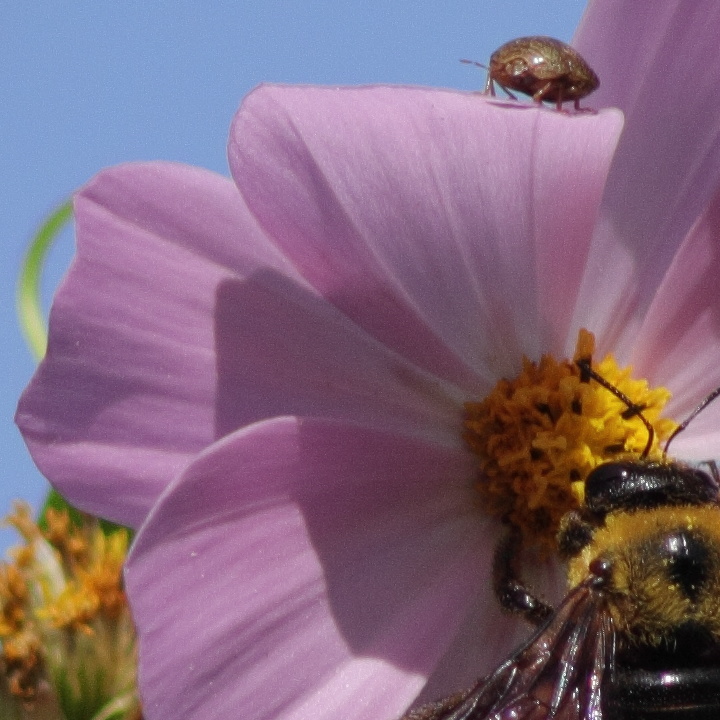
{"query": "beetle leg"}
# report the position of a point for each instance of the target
(490, 86)
(511, 592)
(508, 93)
(583, 109)
(540, 94)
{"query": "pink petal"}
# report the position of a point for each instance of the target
(342, 560)
(278, 349)
(659, 63)
(126, 394)
(679, 340)
(281, 349)
(452, 228)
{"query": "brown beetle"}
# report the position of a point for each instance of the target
(542, 67)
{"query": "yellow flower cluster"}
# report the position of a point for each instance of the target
(67, 641)
(538, 436)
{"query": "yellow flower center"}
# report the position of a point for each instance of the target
(539, 435)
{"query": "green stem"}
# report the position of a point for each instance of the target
(29, 306)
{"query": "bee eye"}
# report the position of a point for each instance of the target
(607, 486)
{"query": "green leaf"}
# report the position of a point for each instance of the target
(78, 518)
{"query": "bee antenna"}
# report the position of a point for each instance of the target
(715, 393)
(633, 409)
(474, 62)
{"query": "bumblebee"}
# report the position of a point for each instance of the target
(638, 635)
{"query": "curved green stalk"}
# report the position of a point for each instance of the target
(29, 307)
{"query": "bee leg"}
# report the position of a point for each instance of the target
(574, 534)
(511, 592)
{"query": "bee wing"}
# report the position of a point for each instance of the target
(557, 675)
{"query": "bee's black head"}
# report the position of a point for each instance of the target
(633, 485)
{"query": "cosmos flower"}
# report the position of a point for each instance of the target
(270, 377)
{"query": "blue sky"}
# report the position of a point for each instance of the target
(90, 84)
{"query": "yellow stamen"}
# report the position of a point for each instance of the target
(65, 626)
(22, 661)
(539, 435)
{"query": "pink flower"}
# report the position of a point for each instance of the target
(269, 383)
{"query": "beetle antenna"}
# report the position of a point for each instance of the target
(474, 62)
(633, 409)
(715, 393)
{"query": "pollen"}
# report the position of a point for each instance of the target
(538, 436)
(66, 635)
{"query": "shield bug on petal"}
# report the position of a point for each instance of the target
(542, 67)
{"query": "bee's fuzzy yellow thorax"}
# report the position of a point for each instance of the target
(646, 602)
